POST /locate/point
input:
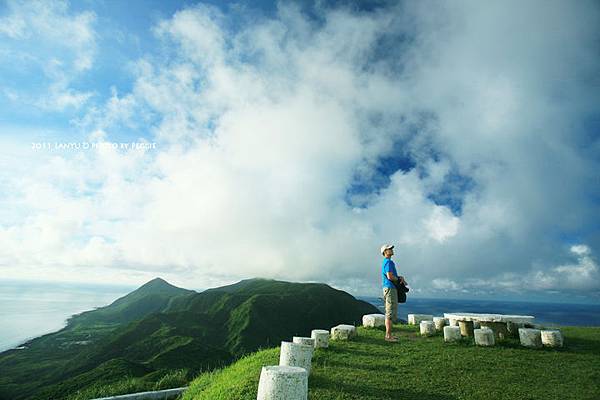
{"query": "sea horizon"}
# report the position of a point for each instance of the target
(546, 313)
(29, 312)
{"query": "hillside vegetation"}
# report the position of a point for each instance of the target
(50, 359)
(368, 368)
(160, 334)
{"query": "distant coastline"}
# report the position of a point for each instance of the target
(31, 309)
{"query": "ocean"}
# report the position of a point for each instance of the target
(550, 314)
(29, 310)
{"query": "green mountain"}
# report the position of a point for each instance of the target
(159, 328)
(154, 296)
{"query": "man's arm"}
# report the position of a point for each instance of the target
(391, 276)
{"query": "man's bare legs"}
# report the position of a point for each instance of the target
(388, 330)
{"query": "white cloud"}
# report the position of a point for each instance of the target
(45, 37)
(444, 284)
(60, 98)
(262, 131)
(583, 275)
(199, 33)
(13, 26)
(442, 225)
(50, 21)
(581, 250)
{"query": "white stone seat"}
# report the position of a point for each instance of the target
(321, 337)
(351, 327)
(304, 340)
(296, 355)
(552, 338)
(452, 334)
(373, 320)
(484, 337)
(414, 319)
(283, 383)
(440, 322)
(530, 337)
(427, 328)
(343, 332)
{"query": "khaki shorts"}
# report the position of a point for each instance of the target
(390, 298)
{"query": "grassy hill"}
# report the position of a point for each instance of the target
(160, 333)
(368, 368)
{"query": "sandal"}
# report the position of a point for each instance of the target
(392, 339)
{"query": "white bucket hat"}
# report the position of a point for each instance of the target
(386, 247)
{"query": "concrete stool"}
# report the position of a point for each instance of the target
(466, 328)
(552, 338)
(427, 328)
(296, 355)
(321, 337)
(500, 328)
(304, 340)
(452, 322)
(373, 320)
(451, 333)
(343, 332)
(351, 327)
(282, 383)
(484, 337)
(530, 337)
(439, 323)
(414, 319)
(512, 329)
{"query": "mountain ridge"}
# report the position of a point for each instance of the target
(153, 296)
(159, 328)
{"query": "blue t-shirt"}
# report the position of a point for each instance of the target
(388, 266)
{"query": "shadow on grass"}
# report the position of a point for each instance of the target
(462, 342)
(373, 341)
(374, 329)
(358, 352)
(366, 391)
(579, 346)
(571, 345)
(353, 366)
(403, 336)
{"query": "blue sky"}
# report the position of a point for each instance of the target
(296, 138)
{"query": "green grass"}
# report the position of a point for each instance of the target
(426, 369)
(128, 384)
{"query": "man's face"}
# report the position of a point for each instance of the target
(389, 252)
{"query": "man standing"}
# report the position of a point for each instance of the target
(390, 294)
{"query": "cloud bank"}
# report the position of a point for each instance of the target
(292, 147)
